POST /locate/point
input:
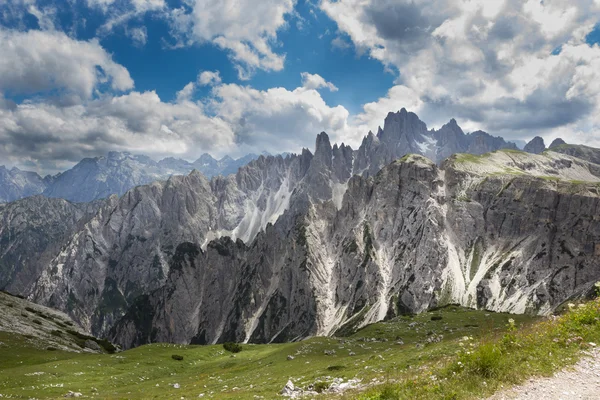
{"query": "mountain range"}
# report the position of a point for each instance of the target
(314, 243)
(99, 177)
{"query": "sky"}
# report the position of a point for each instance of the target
(79, 78)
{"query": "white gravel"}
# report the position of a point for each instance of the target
(582, 381)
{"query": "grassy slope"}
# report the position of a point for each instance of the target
(480, 367)
(259, 370)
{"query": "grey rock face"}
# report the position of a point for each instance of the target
(126, 249)
(32, 232)
(535, 146)
(583, 152)
(413, 237)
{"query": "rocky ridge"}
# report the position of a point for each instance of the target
(303, 245)
(100, 177)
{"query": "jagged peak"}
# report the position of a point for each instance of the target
(322, 138)
(452, 125)
(557, 142)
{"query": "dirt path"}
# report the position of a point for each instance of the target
(582, 381)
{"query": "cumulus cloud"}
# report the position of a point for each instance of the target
(315, 81)
(37, 61)
(491, 64)
(233, 119)
(209, 78)
(246, 28)
(278, 119)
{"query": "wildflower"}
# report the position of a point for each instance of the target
(571, 305)
(511, 321)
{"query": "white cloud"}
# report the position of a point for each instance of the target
(246, 28)
(44, 16)
(209, 78)
(233, 119)
(138, 35)
(186, 93)
(278, 119)
(120, 13)
(314, 81)
(489, 64)
(38, 61)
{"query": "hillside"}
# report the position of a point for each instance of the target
(42, 330)
(446, 353)
(368, 357)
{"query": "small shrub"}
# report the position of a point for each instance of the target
(320, 386)
(485, 361)
(50, 348)
(389, 392)
(177, 357)
(436, 317)
(11, 305)
(232, 347)
(30, 309)
(335, 368)
(37, 321)
(56, 333)
(24, 315)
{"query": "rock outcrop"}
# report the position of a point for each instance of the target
(535, 146)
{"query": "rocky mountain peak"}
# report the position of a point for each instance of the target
(323, 150)
(535, 146)
(402, 124)
(557, 142)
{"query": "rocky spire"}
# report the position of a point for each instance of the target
(536, 146)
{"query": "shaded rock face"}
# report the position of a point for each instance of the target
(310, 244)
(557, 142)
(535, 146)
(413, 237)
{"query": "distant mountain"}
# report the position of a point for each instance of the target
(99, 177)
(16, 184)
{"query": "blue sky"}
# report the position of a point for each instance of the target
(83, 77)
